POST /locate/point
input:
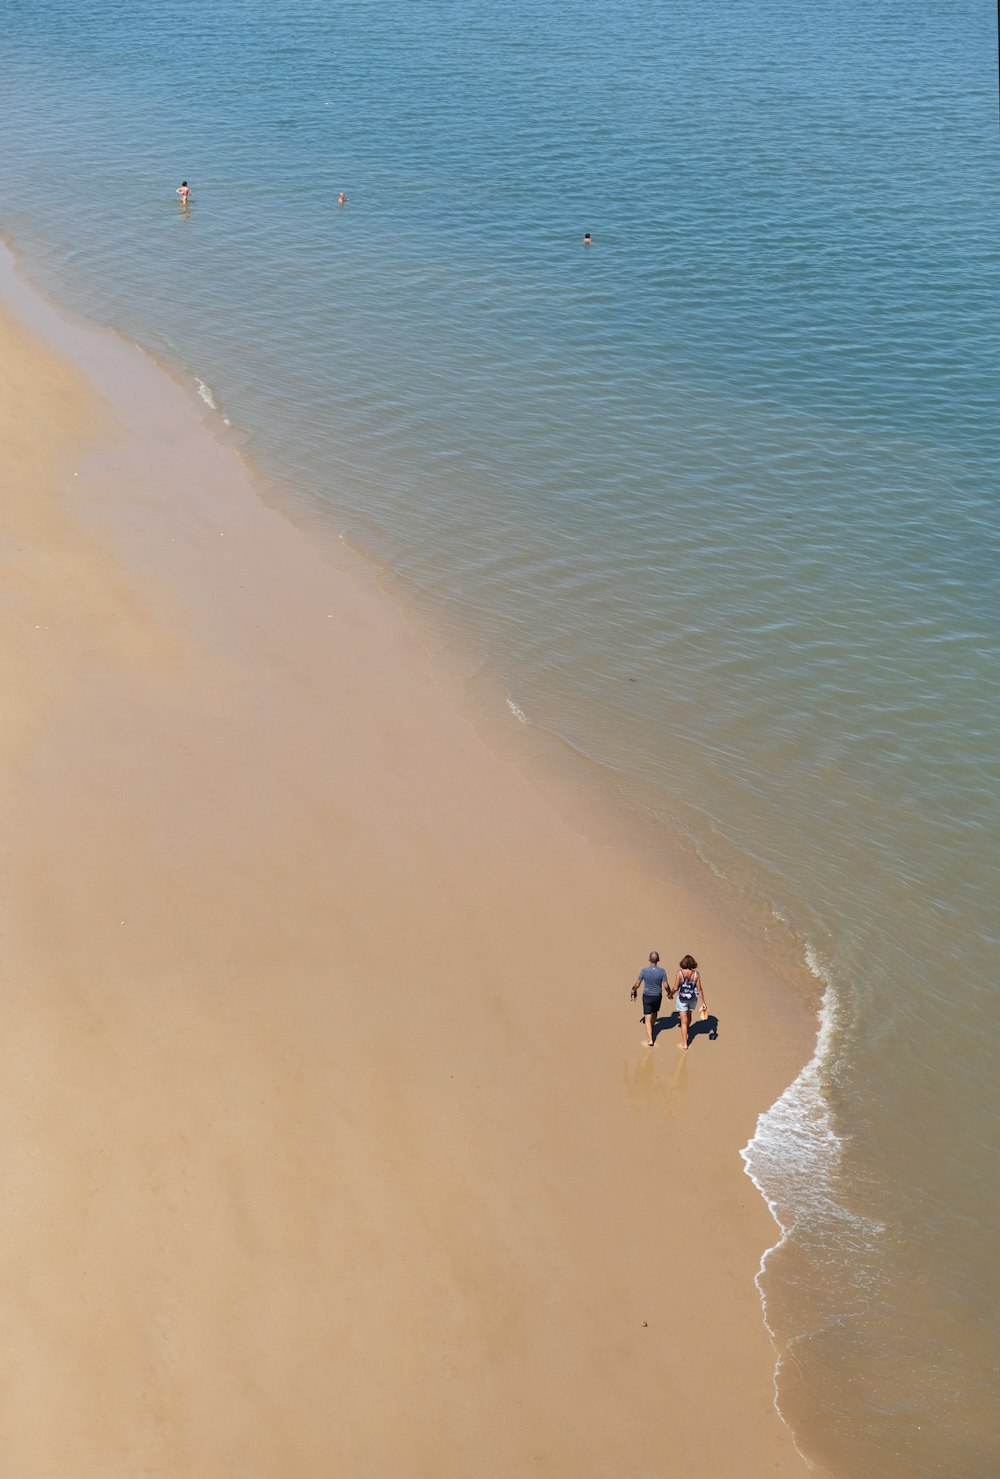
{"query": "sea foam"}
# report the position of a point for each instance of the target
(206, 393)
(794, 1159)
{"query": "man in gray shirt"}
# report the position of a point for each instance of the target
(651, 979)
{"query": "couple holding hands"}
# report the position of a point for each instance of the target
(686, 989)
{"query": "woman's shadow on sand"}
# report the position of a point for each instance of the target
(709, 1028)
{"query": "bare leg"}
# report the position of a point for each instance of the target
(685, 1024)
(650, 1021)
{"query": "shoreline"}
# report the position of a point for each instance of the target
(262, 726)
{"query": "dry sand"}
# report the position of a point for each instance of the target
(330, 1143)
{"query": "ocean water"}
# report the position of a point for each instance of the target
(714, 500)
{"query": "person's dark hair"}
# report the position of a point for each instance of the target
(183, 184)
(688, 963)
(654, 957)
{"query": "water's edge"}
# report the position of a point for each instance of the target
(567, 773)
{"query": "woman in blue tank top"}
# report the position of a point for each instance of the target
(686, 993)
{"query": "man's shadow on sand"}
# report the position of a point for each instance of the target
(709, 1028)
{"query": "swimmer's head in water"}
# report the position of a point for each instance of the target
(586, 237)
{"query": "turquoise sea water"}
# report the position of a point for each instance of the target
(714, 499)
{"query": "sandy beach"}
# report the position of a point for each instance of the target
(331, 1145)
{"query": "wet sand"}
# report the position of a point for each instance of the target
(331, 1144)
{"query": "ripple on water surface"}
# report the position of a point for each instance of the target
(742, 451)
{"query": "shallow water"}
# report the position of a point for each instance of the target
(714, 499)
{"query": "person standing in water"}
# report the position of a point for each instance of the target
(184, 191)
(687, 991)
(651, 978)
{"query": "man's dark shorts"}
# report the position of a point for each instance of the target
(651, 1003)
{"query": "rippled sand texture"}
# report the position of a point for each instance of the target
(712, 500)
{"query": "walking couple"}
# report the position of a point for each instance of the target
(686, 989)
